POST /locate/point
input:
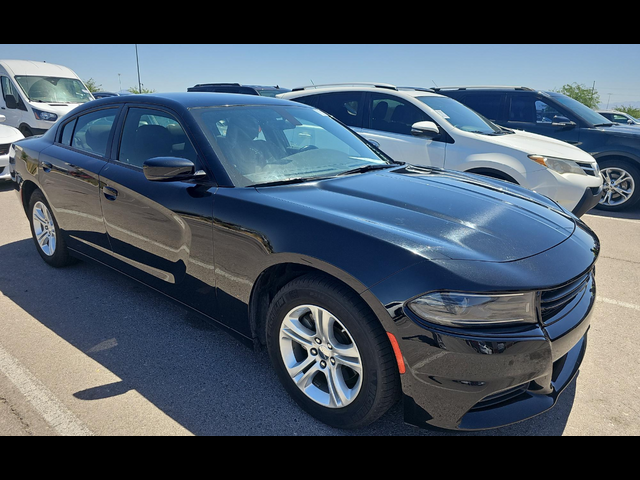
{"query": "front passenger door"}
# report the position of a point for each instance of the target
(160, 232)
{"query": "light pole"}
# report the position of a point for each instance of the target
(138, 64)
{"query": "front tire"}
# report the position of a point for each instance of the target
(46, 232)
(621, 186)
(331, 353)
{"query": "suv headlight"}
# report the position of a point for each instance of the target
(458, 309)
(560, 165)
(48, 116)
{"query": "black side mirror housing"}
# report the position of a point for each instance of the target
(169, 169)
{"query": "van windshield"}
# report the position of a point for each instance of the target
(54, 89)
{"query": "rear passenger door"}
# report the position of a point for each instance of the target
(160, 232)
(70, 178)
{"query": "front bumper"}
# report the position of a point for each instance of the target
(589, 200)
(481, 380)
(4, 168)
(577, 193)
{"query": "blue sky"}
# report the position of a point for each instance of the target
(615, 69)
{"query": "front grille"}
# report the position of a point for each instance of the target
(553, 301)
(588, 169)
(4, 148)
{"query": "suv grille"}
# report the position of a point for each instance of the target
(588, 169)
(4, 148)
(553, 302)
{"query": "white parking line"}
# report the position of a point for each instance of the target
(54, 412)
(620, 304)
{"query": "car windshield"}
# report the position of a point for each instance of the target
(54, 89)
(581, 110)
(460, 116)
(269, 144)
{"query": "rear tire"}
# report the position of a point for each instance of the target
(46, 232)
(331, 353)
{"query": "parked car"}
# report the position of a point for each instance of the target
(264, 90)
(615, 147)
(421, 127)
(622, 118)
(36, 94)
(8, 135)
(368, 280)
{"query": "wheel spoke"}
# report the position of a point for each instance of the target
(328, 371)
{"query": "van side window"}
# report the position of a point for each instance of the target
(153, 133)
(92, 131)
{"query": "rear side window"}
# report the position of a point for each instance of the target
(488, 104)
(345, 106)
(90, 133)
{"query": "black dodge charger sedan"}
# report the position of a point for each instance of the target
(368, 280)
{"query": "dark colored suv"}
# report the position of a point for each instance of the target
(615, 147)
(265, 91)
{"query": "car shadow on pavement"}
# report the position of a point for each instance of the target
(6, 186)
(199, 375)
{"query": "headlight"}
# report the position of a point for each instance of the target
(48, 116)
(458, 309)
(559, 165)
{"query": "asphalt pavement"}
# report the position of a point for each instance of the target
(87, 351)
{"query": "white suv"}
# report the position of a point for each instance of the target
(421, 127)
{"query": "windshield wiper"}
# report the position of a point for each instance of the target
(366, 168)
(288, 181)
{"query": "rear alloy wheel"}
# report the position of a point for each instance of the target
(620, 189)
(46, 233)
(331, 353)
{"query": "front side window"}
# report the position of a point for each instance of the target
(54, 89)
(152, 133)
(91, 132)
(394, 114)
(265, 144)
(459, 115)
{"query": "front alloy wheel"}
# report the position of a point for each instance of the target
(320, 356)
(331, 352)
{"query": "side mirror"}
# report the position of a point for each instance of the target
(169, 169)
(11, 102)
(425, 129)
(559, 121)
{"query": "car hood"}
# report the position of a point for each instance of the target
(622, 130)
(532, 143)
(9, 134)
(436, 214)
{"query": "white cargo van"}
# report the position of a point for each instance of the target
(36, 94)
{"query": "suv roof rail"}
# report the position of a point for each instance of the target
(217, 85)
(421, 89)
(354, 84)
(511, 87)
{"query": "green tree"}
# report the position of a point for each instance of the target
(137, 91)
(92, 86)
(589, 96)
(633, 111)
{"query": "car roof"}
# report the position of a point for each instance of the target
(360, 86)
(196, 99)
